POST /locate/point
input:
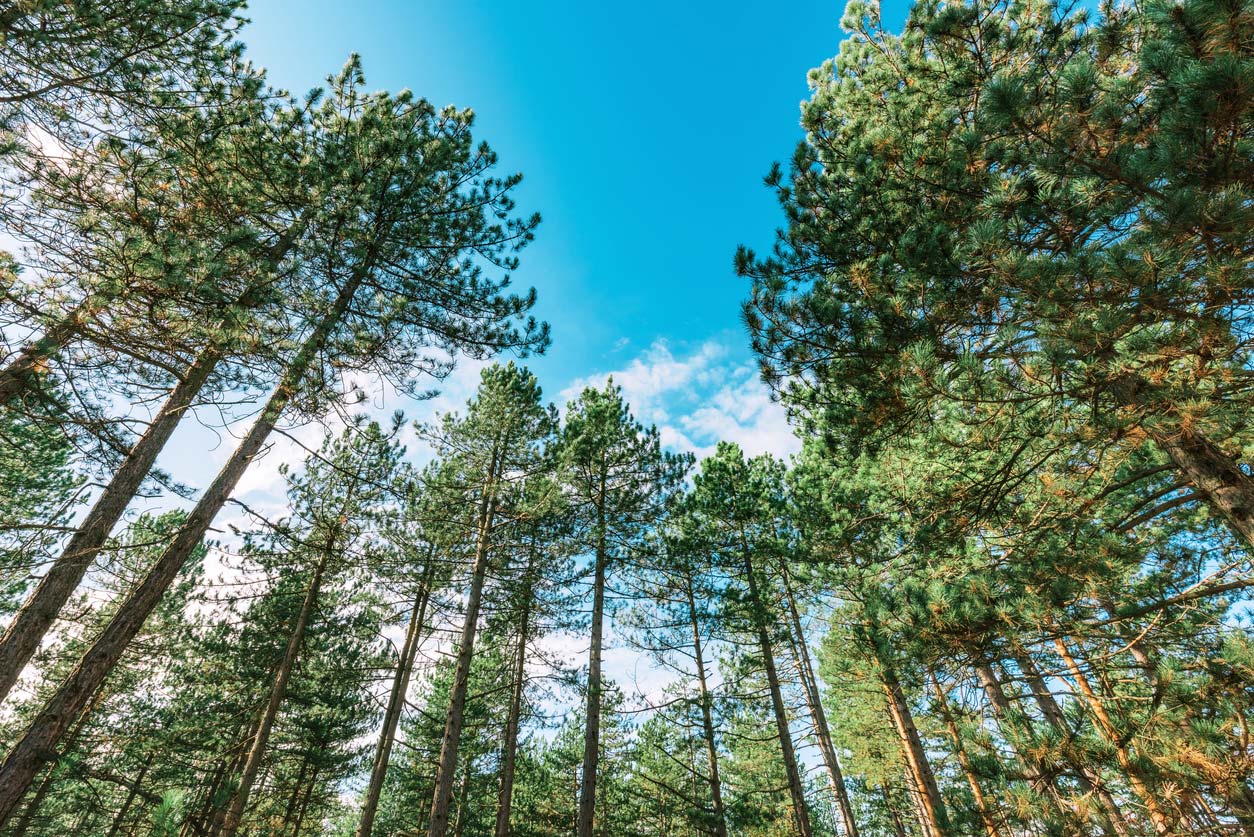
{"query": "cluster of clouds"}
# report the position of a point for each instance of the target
(698, 398)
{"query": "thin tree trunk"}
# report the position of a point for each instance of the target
(304, 805)
(964, 761)
(899, 828)
(814, 703)
(131, 795)
(31, 623)
(931, 803)
(396, 701)
(447, 770)
(228, 819)
(1105, 725)
(463, 796)
(707, 718)
(509, 749)
(298, 789)
(24, 760)
(1090, 782)
(795, 788)
(592, 720)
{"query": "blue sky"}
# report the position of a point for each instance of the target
(643, 131)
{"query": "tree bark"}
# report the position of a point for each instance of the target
(31, 623)
(592, 720)
(707, 718)
(509, 749)
(227, 820)
(1105, 725)
(964, 761)
(814, 702)
(795, 788)
(930, 800)
(446, 771)
(33, 748)
(1215, 475)
(396, 701)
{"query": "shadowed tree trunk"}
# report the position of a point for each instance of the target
(30, 752)
(707, 717)
(396, 701)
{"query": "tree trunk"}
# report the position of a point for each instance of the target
(931, 803)
(814, 703)
(795, 788)
(964, 761)
(228, 819)
(29, 626)
(1105, 726)
(1215, 475)
(707, 719)
(509, 749)
(446, 772)
(33, 748)
(19, 374)
(592, 721)
(1089, 781)
(304, 805)
(131, 795)
(396, 701)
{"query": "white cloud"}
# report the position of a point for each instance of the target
(699, 398)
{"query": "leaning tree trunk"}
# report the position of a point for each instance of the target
(707, 719)
(1215, 475)
(228, 819)
(814, 701)
(1113, 820)
(592, 721)
(48, 727)
(964, 761)
(795, 788)
(396, 702)
(446, 771)
(29, 626)
(1106, 728)
(509, 749)
(29, 362)
(930, 800)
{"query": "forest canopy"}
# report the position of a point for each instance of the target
(1003, 589)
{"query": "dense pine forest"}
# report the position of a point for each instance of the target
(1003, 590)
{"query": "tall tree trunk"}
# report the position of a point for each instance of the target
(463, 797)
(509, 749)
(131, 795)
(592, 719)
(396, 700)
(227, 820)
(933, 806)
(795, 788)
(31, 750)
(814, 702)
(1106, 727)
(1090, 782)
(446, 771)
(964, 761)
(707, 717)
(899, 828)
(304, 805)
(31, 623)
